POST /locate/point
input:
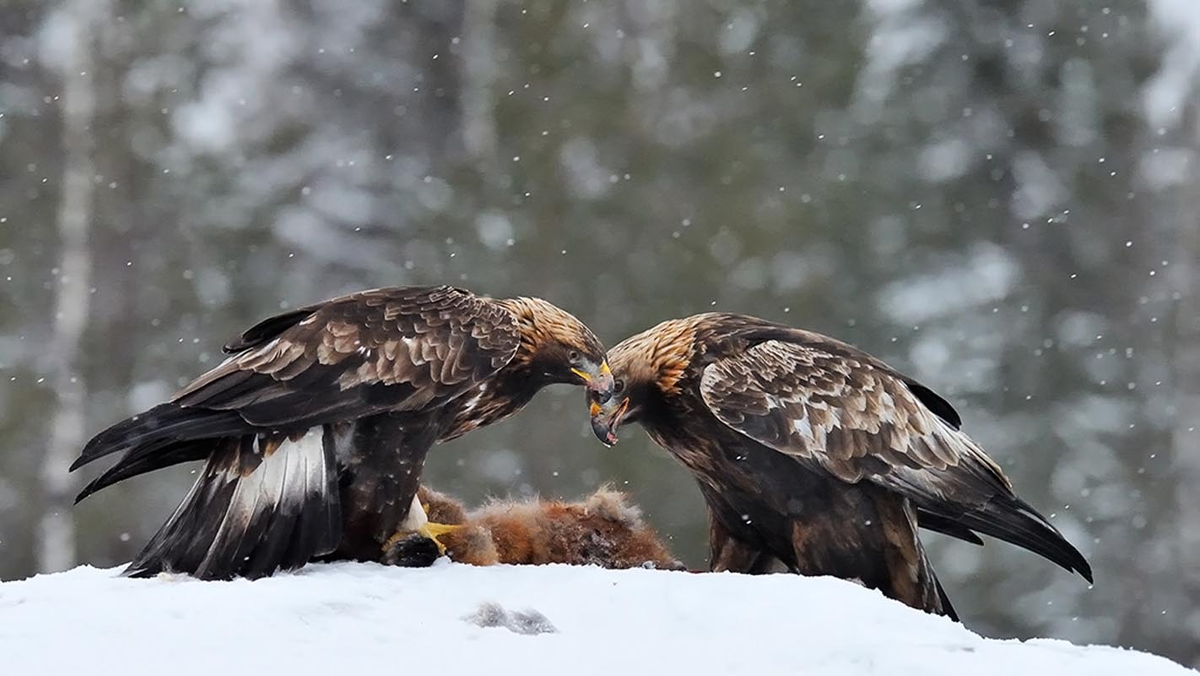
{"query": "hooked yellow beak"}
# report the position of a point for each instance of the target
(607, 419)
(598, 380)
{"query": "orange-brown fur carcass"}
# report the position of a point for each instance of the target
(603, 530)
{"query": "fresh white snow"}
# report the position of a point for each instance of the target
(349, 619)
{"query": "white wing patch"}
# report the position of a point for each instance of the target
(282, 482)
(281, 478)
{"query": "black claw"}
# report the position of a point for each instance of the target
(414, 551)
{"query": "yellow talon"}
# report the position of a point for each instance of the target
(419, 523)
(433, 530)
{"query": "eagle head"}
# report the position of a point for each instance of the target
(646, 369)
(558, 348)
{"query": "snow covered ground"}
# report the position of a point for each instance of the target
(368, 619)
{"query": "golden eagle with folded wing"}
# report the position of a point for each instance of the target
(814, 456)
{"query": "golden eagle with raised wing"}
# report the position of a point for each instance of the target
(815, 456)
(316, 427)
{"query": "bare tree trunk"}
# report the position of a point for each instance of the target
(1186, 436)
(73, 34)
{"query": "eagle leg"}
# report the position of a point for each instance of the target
(416, 524)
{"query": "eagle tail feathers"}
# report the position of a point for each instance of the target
(262, 503)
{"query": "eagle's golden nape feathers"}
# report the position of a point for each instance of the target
(816, 456)
(316, 426)
(603, 529)
(543, 324)
(552, 338)
(657, 356)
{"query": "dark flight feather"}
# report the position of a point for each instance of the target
(267, 329)
(162, 426)
(940, 524)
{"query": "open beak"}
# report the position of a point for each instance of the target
(606, 420)
(598, 380)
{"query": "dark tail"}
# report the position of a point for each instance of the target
(262, 503)
(1013, 520)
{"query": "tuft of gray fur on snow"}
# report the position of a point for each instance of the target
(529, 622)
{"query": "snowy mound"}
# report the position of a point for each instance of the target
(457, 619)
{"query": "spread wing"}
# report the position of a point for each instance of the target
(392, 349)
(845, 413)
(395, 349)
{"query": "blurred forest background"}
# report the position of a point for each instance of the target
(999, 197)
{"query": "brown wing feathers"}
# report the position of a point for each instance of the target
(854, 418)
(388, 349)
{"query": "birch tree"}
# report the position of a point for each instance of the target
(69, 49)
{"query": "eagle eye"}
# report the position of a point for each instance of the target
(618, 386)
(573, 355)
